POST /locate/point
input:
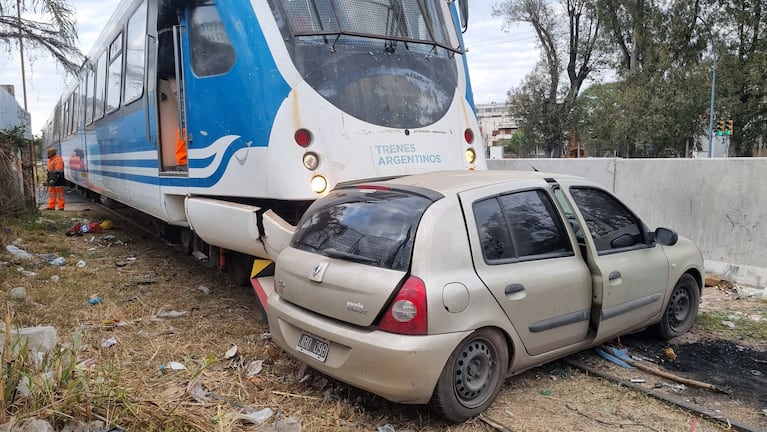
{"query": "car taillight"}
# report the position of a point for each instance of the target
(407, 312)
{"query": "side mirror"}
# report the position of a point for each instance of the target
(666, 236)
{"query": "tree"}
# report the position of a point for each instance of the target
(52, 29)
(742, 71)
(570, 44)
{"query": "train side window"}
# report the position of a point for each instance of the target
(75, 109)
(114, 78)
(212, 51)
(65, 118)
(134, 55)
(89, 88)
(101, 73)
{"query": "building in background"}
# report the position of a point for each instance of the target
(496, 127)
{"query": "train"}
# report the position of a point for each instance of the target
(226, 119)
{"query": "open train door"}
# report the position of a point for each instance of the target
(170, 89)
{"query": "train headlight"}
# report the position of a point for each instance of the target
(471, 155)
(319, 184)
(311, 161)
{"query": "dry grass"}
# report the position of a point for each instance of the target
(138, 278)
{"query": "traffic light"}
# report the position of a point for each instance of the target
(728, 127)
(719, 131)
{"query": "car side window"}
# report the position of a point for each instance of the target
(610, 223)
(521, 226)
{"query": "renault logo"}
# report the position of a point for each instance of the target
(318, 271)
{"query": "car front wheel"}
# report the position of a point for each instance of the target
(472, 376)
(681, 310)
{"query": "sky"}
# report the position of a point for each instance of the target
(498, 59)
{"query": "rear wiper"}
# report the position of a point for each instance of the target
(335, 253)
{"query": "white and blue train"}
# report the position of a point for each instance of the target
(225, 119)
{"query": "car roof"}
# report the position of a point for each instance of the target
(452, 182)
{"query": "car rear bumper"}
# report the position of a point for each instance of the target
(400, 368)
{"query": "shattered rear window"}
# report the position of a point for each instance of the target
(373, 227)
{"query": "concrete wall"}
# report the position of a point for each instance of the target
(721, 204)
(12, 114)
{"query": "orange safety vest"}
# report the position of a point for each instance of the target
(181, 147)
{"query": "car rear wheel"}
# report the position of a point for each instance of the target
(472, 376)
(681, 310)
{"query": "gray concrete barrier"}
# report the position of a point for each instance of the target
(720, 203)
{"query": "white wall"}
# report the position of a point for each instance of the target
(11, 114)
(721, 204)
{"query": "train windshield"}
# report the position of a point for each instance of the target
(411, 22)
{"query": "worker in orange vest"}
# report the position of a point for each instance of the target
(55, 180)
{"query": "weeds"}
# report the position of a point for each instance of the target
(743, 327)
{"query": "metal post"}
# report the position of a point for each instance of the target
(713, 91)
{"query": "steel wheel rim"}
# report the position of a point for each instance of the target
(679, 307)
(474, 372)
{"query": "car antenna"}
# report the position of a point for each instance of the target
(531, 166)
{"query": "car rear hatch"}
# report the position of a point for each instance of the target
(352, 250)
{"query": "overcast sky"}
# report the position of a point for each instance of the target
(498, 60)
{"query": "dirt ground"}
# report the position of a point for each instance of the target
(160, 306)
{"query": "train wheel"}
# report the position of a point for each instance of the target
(186, 238)
(239, 266)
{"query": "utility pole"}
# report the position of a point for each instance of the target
(21, 54)
(713, 90)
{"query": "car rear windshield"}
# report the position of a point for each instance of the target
(370, 226)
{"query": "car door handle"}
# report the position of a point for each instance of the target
(513, 288)
(614, 275)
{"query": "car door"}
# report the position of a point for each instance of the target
(629, 271)
(525, 256)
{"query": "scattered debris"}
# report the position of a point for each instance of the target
(622, 354)
(55, 278)
(18, 293)
(289, 424)
(25, 273)
(81, 264)
(198, 392)
(677, 387)
(255, 417)
(254, 368)
(53, 259)
(545, 392)
(728, 323)
(669, 353)
(172, 366)
(19, 253)
(713, 280)
(204, 289)
(95, 299)
(106, 343)
(162, 313)
(231, 352)
(493, 423)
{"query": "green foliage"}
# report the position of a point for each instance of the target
(744, 327)
(12, 197)
(662, 55)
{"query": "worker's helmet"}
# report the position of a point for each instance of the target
(51, 151)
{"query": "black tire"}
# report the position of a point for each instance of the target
(472, 376)
(681, 309)
(239, 266)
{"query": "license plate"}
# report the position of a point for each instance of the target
(313, 346)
